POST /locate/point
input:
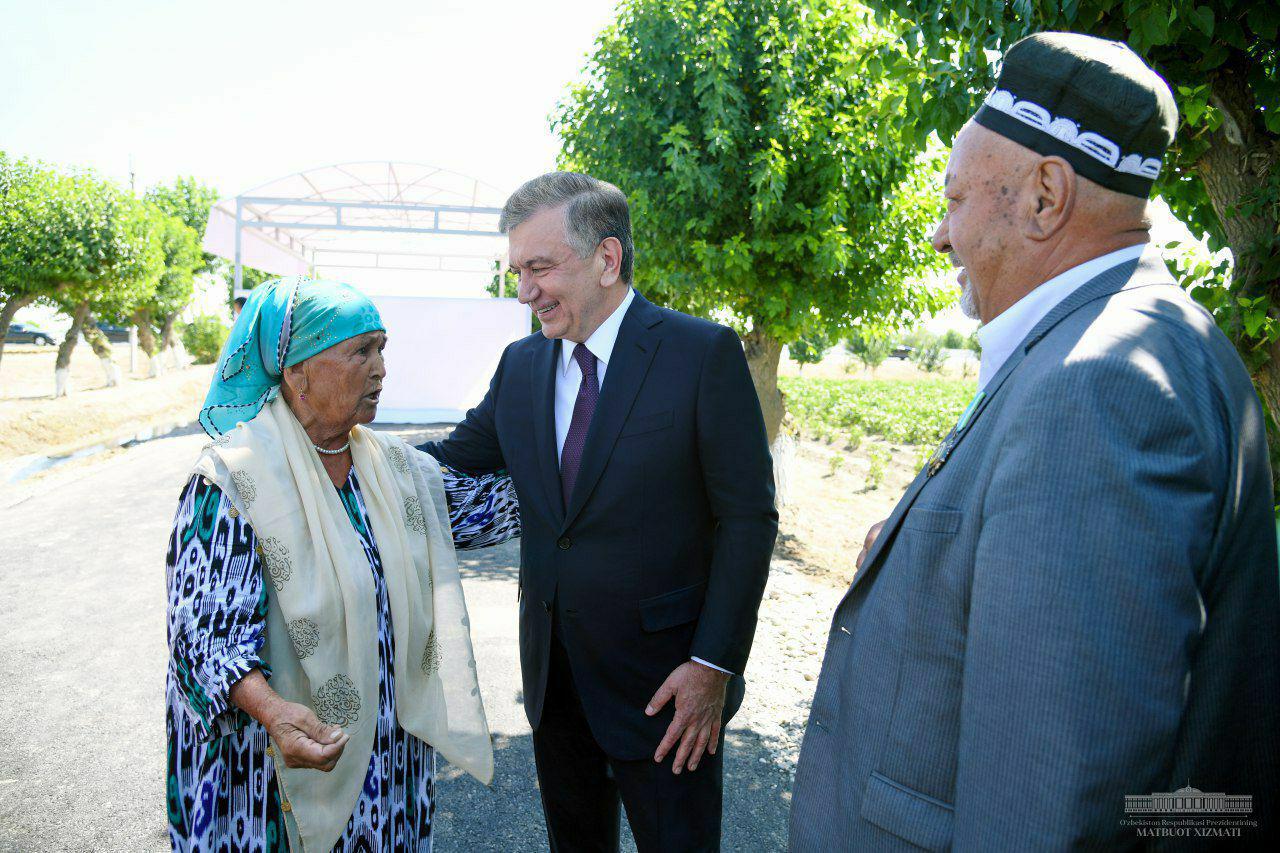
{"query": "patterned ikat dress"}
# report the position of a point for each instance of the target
(222, 793)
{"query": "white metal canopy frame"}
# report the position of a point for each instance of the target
(365, 216)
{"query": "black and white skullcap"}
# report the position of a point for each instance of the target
(1093, 102)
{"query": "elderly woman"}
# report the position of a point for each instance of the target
(319, 644)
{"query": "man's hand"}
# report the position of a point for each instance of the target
(303, 740)
(699, 696)
(872, 535)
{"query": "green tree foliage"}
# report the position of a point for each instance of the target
(762, 186)
(155, 317)
(952, 339)
(123, 259)
(76, 241)
(31, 252)
(930, 357)
(1222, 176)
(810, 349)
(204, 338)
(189, 201)
(870, 349)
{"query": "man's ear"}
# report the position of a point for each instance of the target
(610, 254)
(1053, 192)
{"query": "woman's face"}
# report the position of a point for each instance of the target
(340, 386)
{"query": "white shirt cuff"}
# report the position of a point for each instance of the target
(713, 666)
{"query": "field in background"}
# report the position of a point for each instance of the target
(902, 412)
(861, 442)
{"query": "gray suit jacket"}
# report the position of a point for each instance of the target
(1081, 603)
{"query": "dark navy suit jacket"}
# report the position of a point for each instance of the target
(663, 550)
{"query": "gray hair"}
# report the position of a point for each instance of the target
(593, 210)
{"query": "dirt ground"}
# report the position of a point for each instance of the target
(33, 422)
(829, 510)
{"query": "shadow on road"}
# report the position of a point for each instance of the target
(501, 562)
(508, 815)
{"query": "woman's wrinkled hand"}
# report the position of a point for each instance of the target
(303, 740)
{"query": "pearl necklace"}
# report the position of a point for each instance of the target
(342, 449)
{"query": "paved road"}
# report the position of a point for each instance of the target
(82, 663)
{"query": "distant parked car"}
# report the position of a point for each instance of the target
(902, 351)
(115, 334)
(25, 333)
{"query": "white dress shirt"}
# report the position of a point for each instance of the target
(569, 379)
(569, 376)
(1002, 335)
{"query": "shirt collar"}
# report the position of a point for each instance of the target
(1001, 336)
(602, 339)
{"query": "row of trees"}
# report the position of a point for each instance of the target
(782, 155)
(97, 252)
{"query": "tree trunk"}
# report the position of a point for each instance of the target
(62, 367)
(763, 353)
(172, 344)
(11, 307)
(102, 349)
(147, 340)
(1240, 159)
(94, 337)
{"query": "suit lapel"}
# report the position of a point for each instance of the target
(1148, 269)
(542, 380)
(913, 491)
(633, 352)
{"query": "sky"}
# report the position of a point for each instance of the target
(239, 93)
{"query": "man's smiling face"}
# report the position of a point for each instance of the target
(562, 289)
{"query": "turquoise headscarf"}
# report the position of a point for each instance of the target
(283, 322)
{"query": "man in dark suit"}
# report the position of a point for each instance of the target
(635, 441)
(1074, 607)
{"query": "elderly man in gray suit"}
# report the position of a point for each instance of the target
(1076, 601)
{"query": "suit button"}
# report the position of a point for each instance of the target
(546, 605)
(563, 543)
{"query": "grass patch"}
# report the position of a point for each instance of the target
(903, 412)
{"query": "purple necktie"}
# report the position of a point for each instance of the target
(583, 408)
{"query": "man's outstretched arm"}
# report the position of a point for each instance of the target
(473, 445)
